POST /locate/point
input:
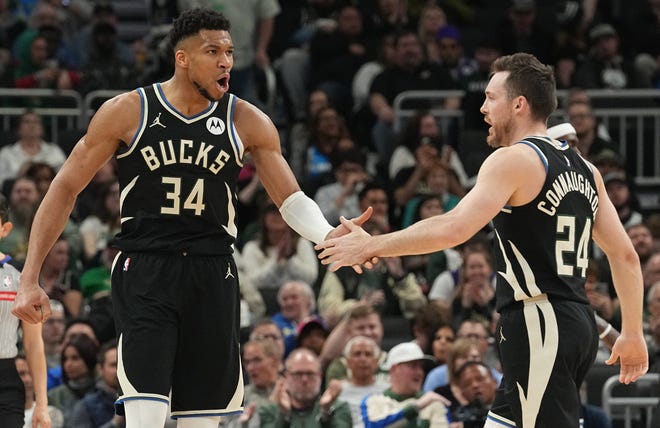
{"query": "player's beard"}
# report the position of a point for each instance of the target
(500, 135)
(205, 93)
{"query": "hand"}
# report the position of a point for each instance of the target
(346, 250)
(280, 396)
(330, 395)
(632, 355)
(247, 413)
(40, 417)
(32, 304)
(431, 397)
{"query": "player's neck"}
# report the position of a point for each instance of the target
(184, 97)
(530, 129)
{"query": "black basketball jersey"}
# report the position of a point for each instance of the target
(178, 178)
(544, 246)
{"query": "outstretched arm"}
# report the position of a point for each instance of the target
(630, 348)
(500, 181)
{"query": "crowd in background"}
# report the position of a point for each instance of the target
(339, 66)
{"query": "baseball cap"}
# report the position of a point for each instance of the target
(614, 176)
(448, 32)
(310, 323)
(602, 30)
(561, 130)
(403, 353)
(523, 5)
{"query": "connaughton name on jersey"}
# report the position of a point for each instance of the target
(566, 182)
(186, 154)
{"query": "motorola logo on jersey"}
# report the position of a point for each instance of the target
(215, 125)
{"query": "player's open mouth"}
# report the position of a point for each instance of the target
(224, 82)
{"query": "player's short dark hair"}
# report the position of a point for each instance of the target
(4, 209)
(530, 78)
(192, 21)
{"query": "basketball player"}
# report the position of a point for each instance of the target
(179, 146)
(12, 389)
(546, 202)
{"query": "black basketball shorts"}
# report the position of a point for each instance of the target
(177, 317)
(546, 349)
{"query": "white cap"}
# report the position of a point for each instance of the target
(561, 130)
(403, 353)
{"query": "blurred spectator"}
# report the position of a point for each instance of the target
(300, 133)
(262, 361)
(38, 67)
(460, 352)
(478, 328)
(362, 320)
(642, 240)
(250, 194)
(278, 254)
(590, 143)
(420, 131)
(42, 15)
(623, 198)
(410, 71)
(475, 291)
(78, 363)
(251, 30)
(605, 67)
(87, 199)
(58, 280)
(340, 198)
(53, 333)
(443, 338)
(23, 202)
(522, 31)
(97, 408)
(25, 373)
(267, 330)
(337, 53)
(432, 19)
(486, 50)
(387, 287)
(599, 296)
(84, 45)
(95, 285)
(297, 302)
(312, 333)
(98, 228)
(404, 400)
(328, 128)
(451, 55)
(375, 195)
(439, 183)
(106, 66)
(387, 16)
(362, 355)
(651, 270)
(478, 386)
(253, 306)
(30, 147)
(297, 399)
(43, 174)
(74, 327)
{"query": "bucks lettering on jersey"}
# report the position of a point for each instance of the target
(544, 246)
(178, 178)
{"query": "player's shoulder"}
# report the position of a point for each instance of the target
(253, 125)
(123, 105)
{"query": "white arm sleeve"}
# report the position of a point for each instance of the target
(305, 217)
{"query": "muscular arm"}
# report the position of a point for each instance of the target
(511, 175)
(110, 125)
(611, 237)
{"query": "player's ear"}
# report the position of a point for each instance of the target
(181, 58)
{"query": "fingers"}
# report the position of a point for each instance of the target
(349, 224)
(356, 268)
(366, 215)
(31, 314)
(630, 373)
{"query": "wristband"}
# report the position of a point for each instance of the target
(605, 332)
